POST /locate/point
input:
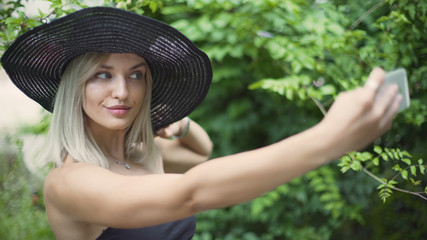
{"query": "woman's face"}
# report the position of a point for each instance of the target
(114, 94)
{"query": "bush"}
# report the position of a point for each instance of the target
(22, 209)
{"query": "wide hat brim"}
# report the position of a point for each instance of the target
(181, 72)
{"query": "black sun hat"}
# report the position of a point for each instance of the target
(181, 72)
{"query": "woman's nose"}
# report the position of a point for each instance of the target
(120, 88)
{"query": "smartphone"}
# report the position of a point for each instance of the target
(398, 76)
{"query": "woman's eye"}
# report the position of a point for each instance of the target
(103, 75)
(136, 75)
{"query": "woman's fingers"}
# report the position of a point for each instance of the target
(169, 131)
(392, 108)
(375, 79)
(387, 99)
(166, 132)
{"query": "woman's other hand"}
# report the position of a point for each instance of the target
(183, 145)
(358, 117)
(176, 129)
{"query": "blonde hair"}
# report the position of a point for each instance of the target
(68, 134)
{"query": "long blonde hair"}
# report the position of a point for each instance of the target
(68, 134)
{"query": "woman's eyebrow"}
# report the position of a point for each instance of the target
(106, 67)
(138, 65)
(132, 68)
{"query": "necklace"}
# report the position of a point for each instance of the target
(122, 163)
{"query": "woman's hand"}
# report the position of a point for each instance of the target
(176, 129)
(183, 145)
(358, 117)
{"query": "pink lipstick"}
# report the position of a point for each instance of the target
(118, 110)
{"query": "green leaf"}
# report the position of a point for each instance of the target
(406, 160)
(404, 174)
(328, 89)
(397, 168)
(384, 194)
(416, 183)
(382, 19)
(411, 10)
(32, 23)
(356, 165)
(396, 155)
(345, 169)
(376, 161)
(59, 12)
(364, 156)
(11, 20)
(384, 156)
(422, 169)
(153, 6)
(378, 149)
(389, 153)
(406, 154)
(392, 182)
(413, 170)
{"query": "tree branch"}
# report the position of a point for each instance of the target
(366, 14)
(419, 194)
(319, 105)
(394, 188)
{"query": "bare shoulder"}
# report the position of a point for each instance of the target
(80, 193)
(70, 171)
(64, 184)
(62, 187)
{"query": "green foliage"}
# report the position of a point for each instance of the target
(275, 63)
(40, 128)
(22, 209)
(385, 189)
(411, 171)
(310, 207)
(139, 6)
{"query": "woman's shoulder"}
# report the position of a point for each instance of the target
(61, 199)
(63, 179)
(69, 165)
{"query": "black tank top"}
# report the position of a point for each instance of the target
(183, 229)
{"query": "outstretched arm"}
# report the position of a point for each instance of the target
(356, 119)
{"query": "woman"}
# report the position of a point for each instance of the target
(97, 70)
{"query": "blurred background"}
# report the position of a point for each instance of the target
(278, 66)
(17, 109)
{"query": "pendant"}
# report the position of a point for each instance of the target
(127, 166)
(122, 163)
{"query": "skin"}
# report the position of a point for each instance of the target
(83, 199)
(184, 153)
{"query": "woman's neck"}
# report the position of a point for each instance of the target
(111, 142)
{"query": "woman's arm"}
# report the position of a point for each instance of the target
(95, 195)
(356, 119)
(191, 148)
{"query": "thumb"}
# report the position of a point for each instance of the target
(375, 79)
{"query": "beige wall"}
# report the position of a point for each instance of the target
(15, 107)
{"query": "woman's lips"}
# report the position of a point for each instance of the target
(118, 110)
